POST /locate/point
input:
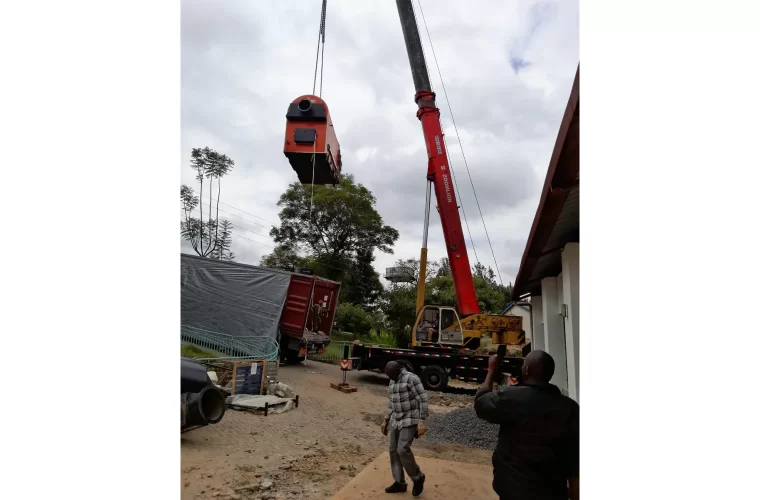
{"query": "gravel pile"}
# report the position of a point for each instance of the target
(463, 427)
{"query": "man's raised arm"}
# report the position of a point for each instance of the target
(487, 401)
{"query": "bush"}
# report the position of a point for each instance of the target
(402, 337)
(353, 318)
(195, 352)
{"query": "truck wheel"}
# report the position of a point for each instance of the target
(434, 378)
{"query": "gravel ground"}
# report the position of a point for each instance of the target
(463, 427)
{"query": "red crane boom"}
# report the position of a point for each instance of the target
(439, 173)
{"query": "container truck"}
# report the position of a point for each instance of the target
(242, 300)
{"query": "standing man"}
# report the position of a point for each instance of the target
(405, 420)
(536, 457)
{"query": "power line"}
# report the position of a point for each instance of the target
(461, 148)
(270, 246)
(239, 217)
(241, 227)
(238, 209)
(454, 178)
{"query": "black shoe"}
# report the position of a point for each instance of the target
(418, 486)
(396, 488)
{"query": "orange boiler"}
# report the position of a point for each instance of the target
(310, 142)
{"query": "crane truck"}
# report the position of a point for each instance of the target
(444, 338)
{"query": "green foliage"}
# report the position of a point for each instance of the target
(353, 318)
(361, 284)
(492, 297)
(195, 352)
(399, 301)
(335, 233)
(337, 221)
(385, 337)
(380, 337)
(224, 242)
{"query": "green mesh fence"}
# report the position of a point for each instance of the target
(230, 347)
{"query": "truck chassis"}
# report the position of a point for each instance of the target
(435, 366)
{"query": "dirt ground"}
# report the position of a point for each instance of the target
(310, 452)
(444, 479)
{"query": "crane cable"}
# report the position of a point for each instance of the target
(454, 177)
(456, 131)
(320, 42)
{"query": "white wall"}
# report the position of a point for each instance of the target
(554, 332)
(559, 326)
(537, 323)
(525, 315)
(571, 298)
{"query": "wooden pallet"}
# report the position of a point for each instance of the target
(343, 388)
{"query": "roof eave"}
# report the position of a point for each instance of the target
(553, 196)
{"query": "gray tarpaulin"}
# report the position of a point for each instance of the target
(231, 298)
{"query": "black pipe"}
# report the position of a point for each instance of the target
(413, 46)
(304, 105)
(193, 376)
(202, 408)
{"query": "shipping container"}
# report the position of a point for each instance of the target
(308, 316)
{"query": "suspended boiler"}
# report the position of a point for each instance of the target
(310, 142)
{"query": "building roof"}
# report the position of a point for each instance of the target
(557, 218)
(513, 304)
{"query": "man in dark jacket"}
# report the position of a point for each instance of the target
(537, 453)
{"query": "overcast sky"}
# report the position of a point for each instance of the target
(508, 67)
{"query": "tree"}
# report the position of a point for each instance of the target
(361, 284)
(224, 242)
(399, 301)
(354, 319)
(285, 258)
(202, 234)
(444, 267)
(336, 233)
(492, 297)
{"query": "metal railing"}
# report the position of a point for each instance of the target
(228, 346)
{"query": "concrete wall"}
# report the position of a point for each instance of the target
(537, 321)
(571, 297)
(525, 315)
(554, 334)
(556, 316)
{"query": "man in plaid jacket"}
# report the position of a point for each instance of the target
(405, 420)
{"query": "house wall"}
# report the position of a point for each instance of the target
(524, 313)
(558, 310)
(571, 298)
(537, 323)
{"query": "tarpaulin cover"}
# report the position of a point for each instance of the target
(231, 298)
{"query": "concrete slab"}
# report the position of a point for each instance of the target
(255, 401)
(444, 479)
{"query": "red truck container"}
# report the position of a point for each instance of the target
(308, 316)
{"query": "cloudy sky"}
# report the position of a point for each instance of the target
(507, 65)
